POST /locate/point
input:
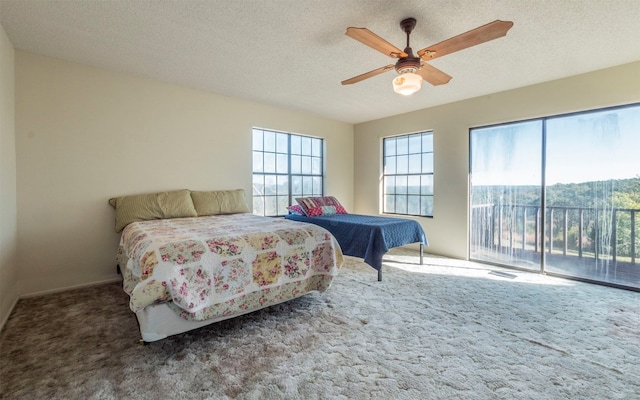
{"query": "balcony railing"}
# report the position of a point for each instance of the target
(571, 231)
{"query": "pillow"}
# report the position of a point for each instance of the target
(296, 209)
(144, 207)
(322, 210)
(327, 205)
(219, 202)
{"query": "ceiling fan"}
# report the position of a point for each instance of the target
(413, 69)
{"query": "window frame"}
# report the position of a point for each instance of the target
(297, 181)
(545, 222)
(425, 174)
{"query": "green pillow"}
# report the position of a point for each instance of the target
(219, 202)
(144, 207)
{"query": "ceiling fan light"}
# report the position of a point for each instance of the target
(407, 83)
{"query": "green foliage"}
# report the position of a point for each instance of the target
(592, 202)
(629, 200)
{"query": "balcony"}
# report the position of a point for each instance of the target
(580, 242)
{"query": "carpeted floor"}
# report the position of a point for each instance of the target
(445, 330)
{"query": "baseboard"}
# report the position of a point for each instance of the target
(6, 317)
(64, 289)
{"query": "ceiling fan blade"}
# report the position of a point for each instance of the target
(433, 75)
(367, 75)
(484, 33)
(365, 36)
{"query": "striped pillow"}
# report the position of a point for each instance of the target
(316, 206)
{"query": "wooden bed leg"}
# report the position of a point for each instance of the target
(380, 274)
(142, 342)
(421, 247)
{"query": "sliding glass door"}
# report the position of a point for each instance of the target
(593, 195)
(560, 195)
(506, 182)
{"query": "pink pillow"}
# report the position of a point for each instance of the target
(316, 206)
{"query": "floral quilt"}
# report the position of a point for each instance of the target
(224, 265)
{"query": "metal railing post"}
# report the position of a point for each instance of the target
(565, 234)
(580, 232)
(550, 230)
(524, 228)
(633, 236)
(537, 231)
(614, 239)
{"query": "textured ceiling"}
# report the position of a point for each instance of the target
(294, 53)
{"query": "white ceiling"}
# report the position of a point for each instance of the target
(294, 53)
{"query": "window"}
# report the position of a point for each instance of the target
(408, 174)
(560, 195)
(285, 166)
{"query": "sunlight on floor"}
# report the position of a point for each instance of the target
(409, 260)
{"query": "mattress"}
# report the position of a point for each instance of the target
(205, 269)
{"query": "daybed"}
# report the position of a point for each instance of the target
(189, 259)
(364, 236)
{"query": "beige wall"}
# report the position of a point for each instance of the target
(447, 230)
(84, 135)
(8, 221)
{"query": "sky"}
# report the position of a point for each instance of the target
(584, 147)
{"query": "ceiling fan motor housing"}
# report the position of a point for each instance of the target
(409, 63)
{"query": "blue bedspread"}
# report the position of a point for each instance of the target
(366, 236)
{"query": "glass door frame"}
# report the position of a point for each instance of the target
(544, 225)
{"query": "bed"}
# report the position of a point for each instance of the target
(183, 272)
(364, 236)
